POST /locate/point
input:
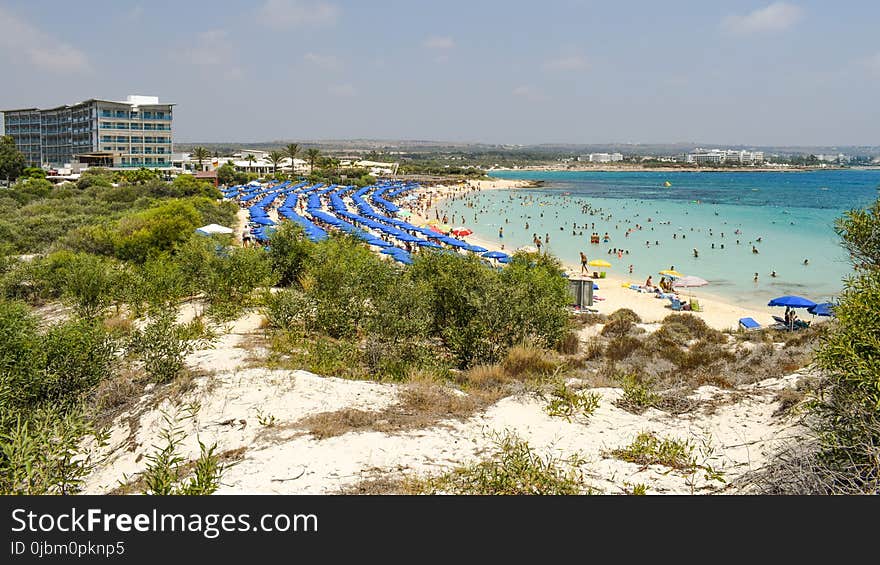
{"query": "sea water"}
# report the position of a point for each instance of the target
(788, 217)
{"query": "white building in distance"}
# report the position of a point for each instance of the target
(602, 157)
(724, 157)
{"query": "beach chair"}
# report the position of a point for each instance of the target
(695, 306)
(749, 324)
(801, 324)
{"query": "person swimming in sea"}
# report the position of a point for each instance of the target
(756, 277)
(773, 274)
(754, 250)
(806, 261)
(696, 253)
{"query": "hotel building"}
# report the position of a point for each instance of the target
(130, 134)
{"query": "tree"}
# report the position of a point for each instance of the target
(251, 159)
(275, 157)
(12, 160)
(200, 154)
(312, 155)
(291, 150)
(849, 415)
(226, 174)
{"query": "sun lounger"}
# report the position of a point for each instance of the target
(749, 324)
(780, 320)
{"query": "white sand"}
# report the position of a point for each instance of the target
(284, 459)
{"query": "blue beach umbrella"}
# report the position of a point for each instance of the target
(475, 248)
(822, 309)
(379, 242)
(496, 255)
(430, 244)
(792, 302)
(391, 250)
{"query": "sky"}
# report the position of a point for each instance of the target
(514, 71)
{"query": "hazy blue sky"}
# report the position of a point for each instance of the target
(749, 72)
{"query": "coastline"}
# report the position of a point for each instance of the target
(614, 292)
(660, 169)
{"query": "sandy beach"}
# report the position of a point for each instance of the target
(614, 291)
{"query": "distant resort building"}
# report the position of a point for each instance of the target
(602, 157)
(724, 157)
(130, 134)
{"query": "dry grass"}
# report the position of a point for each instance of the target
(421, 405)
(622, 347)
(570, 344)
(528, 361)
(588, 319)
(788, 399)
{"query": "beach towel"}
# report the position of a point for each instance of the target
(749, 323)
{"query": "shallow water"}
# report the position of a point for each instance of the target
(791, 212)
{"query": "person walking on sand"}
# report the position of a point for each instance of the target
(584, 263)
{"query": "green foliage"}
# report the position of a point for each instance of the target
(55, 367)
(648, 449)
(162, 346)
(567, 403)
(514, 469)
(162, 228)
(188, 185)
(480, 312)
(95, 177)
(346, 282)
(42, 454)
(167, 470)
(12, 161)
(289, 251)
(637, 394)
(226, 174)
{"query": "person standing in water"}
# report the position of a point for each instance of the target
(501, 232)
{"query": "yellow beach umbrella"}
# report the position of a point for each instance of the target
(671, 273)
(599, 263)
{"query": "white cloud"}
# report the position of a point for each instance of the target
(20, 40)
(285, 14)
(329, 62)
(529, 93)
(213, 51)
(437, 42)
(342, 90)
(778, 16)
(569, 63)
(211, 48)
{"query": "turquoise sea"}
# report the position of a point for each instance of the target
(787, 216)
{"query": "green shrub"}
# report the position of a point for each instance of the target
(622, 347)
(567, 403)
(625, 314)
(648, 449)
(637, 394)
(514, 469)
(289, 251)
(162, 346)
(617, 327)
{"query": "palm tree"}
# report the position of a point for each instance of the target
(291, 150)
(200, 154)
(312, 155)
(275, 157)
(251, 160)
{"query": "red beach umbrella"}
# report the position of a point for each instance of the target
(462, 231)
